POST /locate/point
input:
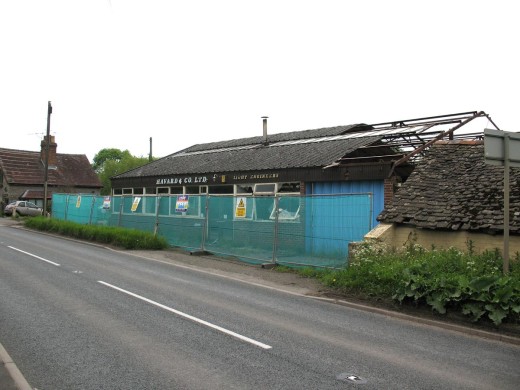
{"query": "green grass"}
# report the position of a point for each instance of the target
(444, 280)
(121, 237)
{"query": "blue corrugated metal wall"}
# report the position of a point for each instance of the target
(375, 187)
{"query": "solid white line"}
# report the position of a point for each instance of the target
(30, 254)
(189, 317)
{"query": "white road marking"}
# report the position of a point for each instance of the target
(189, 317)
(30, 254)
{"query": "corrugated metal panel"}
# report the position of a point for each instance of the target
(375, 187)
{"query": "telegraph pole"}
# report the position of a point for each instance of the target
(46, 162)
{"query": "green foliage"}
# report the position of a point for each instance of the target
(126, 238)
(111, 162)
(444, 280)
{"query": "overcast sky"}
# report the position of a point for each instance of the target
(185, 72)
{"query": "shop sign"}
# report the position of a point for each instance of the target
(106, 202)
(183, 180)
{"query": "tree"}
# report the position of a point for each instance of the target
(110, 162)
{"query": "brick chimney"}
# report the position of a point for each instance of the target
(53, 160)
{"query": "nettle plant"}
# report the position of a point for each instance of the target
(445, 280)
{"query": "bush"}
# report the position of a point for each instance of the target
(465, 282)
(126, 238)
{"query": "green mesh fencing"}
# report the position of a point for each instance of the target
(59, 206)
(324, 226)
(292, 230)
(245, 232)
(81, 208)
(181, 220)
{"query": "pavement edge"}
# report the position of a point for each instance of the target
(16, 375)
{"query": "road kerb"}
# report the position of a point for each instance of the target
(18, 378)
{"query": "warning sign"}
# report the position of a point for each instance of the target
(135, 204)
(240, 210)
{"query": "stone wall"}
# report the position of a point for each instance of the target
(401, 236)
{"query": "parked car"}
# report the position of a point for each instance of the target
(21, 207)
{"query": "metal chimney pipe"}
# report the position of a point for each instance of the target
(264, 118)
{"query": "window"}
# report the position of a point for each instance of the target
(244, 189)
(176, 190)
(162, 190)
(138, 191)
(221, 190)
(289, 188)
(192, 190)
(288, 208)
(265, 189)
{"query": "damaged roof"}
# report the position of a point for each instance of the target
(399, 142)
(454, 189)
(21, 167)
(299, 149)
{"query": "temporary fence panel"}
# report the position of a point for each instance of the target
(325, 226)
(181, 220)
(101, 210)
(241, 227)
(59, 206)
(134, 212)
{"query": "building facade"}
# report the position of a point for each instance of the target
(22, 174)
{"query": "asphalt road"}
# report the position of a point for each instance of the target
(76, 316)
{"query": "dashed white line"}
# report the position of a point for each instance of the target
(189, 317)
(37, 257)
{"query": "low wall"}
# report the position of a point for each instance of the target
(401, 236)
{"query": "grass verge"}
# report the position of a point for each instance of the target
(117, 236)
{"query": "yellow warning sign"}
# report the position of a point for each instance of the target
(135, 203)
(240, 210)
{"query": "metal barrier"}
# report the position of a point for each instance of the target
(283, 229)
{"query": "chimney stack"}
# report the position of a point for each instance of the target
(53, 160)
(264, 118)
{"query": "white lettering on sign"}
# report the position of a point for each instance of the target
(182, 180)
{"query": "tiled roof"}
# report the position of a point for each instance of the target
(23, 167)
(453, 188)
(304, 149)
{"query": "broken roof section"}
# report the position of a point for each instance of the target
(399, 143)
(454, 189)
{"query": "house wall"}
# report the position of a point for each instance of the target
(401, 236)
(14, 192)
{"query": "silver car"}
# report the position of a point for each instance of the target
(21, 207)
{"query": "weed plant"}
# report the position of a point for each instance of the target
(122, 237)
(445, 280)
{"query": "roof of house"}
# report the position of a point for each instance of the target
(21, 167)
(299, 149)
(453, 188)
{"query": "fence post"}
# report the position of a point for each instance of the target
(275, 236)
(158, 201)
(205, 227)
(92, 209)
(370, 217)
(120, 211)
(66, 207)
